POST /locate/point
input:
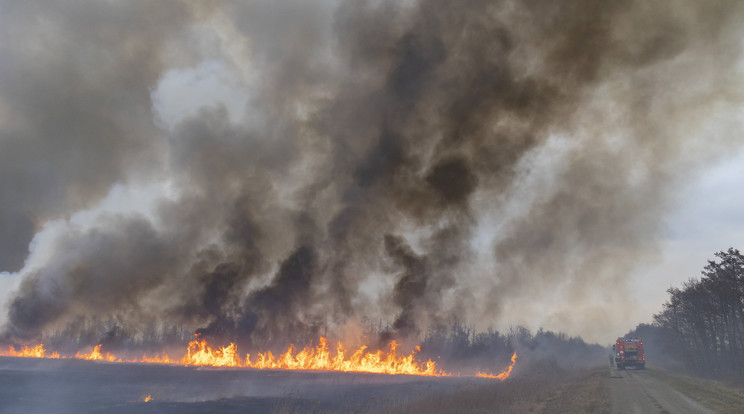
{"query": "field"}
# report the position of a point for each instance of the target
(74, 386)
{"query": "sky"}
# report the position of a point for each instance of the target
(708, 219)
(271, 170)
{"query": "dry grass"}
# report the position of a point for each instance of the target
(590, 394)
(713, 394)
(546, 388)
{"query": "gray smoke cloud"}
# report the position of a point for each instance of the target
(76, 107)
(410, 161)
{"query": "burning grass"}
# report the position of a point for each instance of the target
(318, 358)
(37, 351)
(502, 376)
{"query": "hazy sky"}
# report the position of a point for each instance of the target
(270, 167)
(708, 218)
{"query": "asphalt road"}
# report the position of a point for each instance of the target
(637, 392)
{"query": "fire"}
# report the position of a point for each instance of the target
(162, 359)
(95, 355)
(502, 376)
(318, 358)
(36, 352)
(200, 354)
(148, 398)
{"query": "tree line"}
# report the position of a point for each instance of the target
(457, 345)
(701, 325)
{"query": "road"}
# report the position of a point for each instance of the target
(637, 392)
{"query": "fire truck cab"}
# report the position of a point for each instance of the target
(629, 352)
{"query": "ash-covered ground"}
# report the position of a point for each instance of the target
(73, 386)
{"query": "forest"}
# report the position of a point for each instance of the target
(701, 325)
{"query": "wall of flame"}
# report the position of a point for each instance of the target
(317, 358)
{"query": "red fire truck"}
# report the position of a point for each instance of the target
(629, 353)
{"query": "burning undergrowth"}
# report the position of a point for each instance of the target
(452, 351)
(412, 162)
(201, 354)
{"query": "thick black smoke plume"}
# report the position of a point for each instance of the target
(408, 161)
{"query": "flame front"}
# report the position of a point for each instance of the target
(200, 354)
(162, 359)
(36, 352)
(318, 358)
(503, 375)
(95, 355)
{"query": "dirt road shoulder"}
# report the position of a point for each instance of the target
(713, 394)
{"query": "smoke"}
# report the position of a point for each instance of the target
(111, 267)
(76, 108)
(496, 162)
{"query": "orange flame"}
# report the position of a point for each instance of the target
(503, 375)
(36, 352)
(199, 353)
(95, 355)
(148, 398)
(319, 358)
(162, 359)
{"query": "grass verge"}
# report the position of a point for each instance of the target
(710, 393)
(589, 394)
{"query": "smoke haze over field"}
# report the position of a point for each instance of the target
(262, 170)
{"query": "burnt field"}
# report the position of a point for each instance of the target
(30, 385)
